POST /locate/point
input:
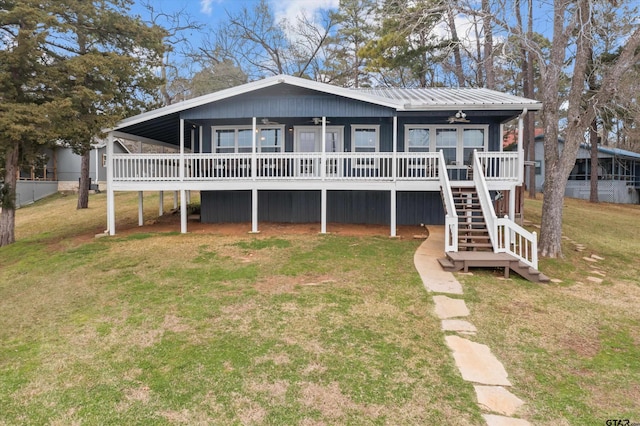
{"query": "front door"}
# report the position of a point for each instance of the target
(457, 145)
(308, 139)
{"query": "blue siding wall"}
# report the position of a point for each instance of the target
(292, 102)
(368, 207)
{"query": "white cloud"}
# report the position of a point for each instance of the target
(206, 7)
(290, 10)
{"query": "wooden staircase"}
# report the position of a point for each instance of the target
(472, 228)
(475, 249)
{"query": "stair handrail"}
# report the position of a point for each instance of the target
(451, 216)
(517, 241)
(486, 203)
(506, 235)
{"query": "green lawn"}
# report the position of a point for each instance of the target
(163, 328)
(205, 328)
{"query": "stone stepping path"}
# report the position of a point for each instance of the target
(475, 361)
(593, 260)
(498, 399)
(447, 307)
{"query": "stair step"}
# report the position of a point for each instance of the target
(446, 263)
(474, 240)
(475, 245)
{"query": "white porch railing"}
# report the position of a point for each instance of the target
(271, 166)
(506, 235)
(146, 167)
(517, 241)
(451, 216)
(488, 211)
(500, 166)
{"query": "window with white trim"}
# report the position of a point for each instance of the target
(418, 139)
(270, 140)
(240, 139)
(365, 138)
(457, 143)
(447, 142)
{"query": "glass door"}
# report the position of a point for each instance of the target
(309, 139)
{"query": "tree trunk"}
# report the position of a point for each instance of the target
(488, 45)
(551, 226)
(8, 214)
(85, 181)
(593, 140)
(456, 47)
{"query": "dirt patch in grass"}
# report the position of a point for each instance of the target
(277, 359)
(171, 223)
(329, 400)
(275, 392)
(277, 284)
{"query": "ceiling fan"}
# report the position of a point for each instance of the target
(460, 117)
(267, 122)
(318, 120)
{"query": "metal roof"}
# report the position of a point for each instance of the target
(617, 152)
(443, 98)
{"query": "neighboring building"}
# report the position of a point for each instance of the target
(286, 149)
(61, 165)
(618, 174)
(58, 169)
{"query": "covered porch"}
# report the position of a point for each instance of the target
(331, 145)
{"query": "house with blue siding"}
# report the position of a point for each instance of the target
(618, 173)
(58, 170)
(286, 149)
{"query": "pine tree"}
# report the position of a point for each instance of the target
(109, 58)
(68, 70)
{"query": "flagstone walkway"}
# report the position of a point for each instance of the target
(474, 360)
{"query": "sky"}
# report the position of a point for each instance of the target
(214, 11)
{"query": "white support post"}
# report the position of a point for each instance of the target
(183, 211)
(323, 211)
(111, 208)
(254, 160)
(161, 203)
(200, 134)
(97, 167)
(182, 150)
(254, 211)
(323, 165)
(520, 147)
(394, 165)
(393, 213)
(140, 208)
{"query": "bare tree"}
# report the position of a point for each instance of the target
(179, 27)
(260, 45)
(573, 28)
